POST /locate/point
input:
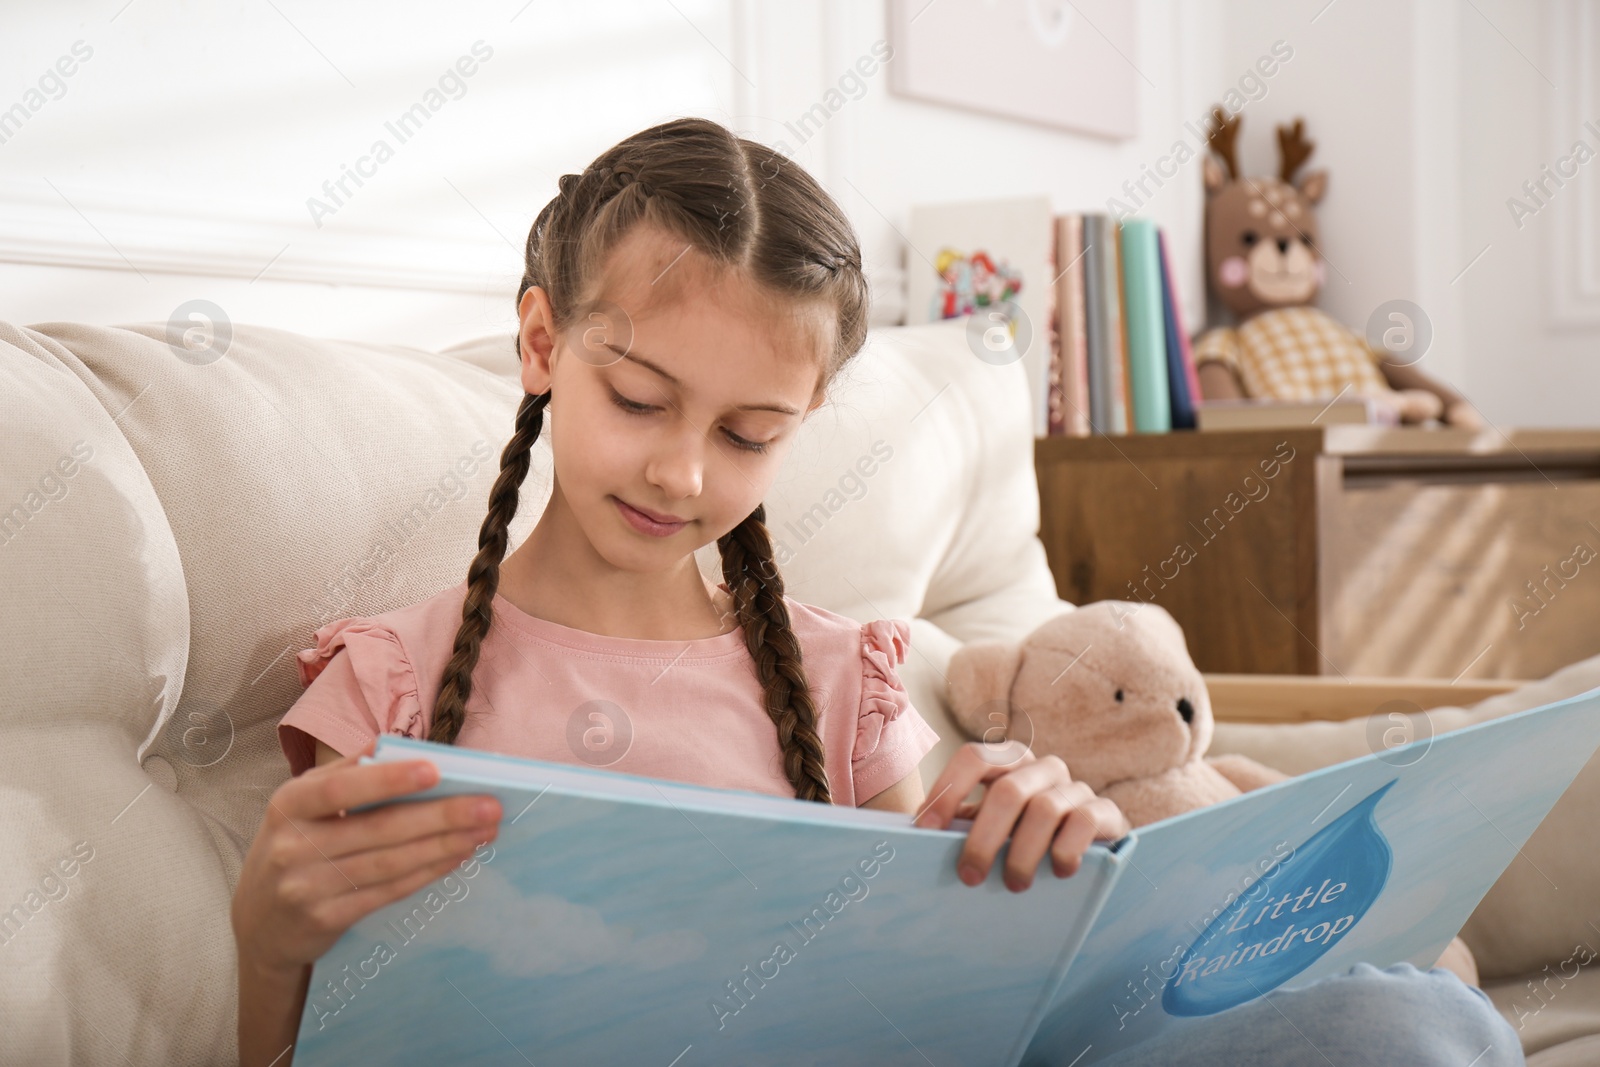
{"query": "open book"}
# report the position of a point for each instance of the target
(620, 919)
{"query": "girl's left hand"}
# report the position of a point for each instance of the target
(1036, 798)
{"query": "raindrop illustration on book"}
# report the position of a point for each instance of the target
(1289, 918)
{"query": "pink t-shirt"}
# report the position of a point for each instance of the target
(690, 711)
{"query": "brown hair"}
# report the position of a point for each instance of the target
(744, 206)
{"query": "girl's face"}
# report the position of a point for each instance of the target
(676, 398)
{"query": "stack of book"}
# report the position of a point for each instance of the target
(1104, 347)
(1119, 358)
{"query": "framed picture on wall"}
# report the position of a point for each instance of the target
(1062, 63)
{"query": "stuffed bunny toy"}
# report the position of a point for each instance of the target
(1110, 688)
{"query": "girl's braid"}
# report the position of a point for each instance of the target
(483, 575)
(757, 590)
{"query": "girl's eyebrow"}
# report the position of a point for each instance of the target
(783, 409)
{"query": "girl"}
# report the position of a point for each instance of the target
(688, 298)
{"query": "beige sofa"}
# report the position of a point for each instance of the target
(176, 520)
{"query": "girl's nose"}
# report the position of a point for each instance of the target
(678, 466)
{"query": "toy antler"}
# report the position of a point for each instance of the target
(1224, 134)
(1293, 148)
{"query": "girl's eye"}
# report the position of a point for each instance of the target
(629, 405)
(633, 407)
(740, 442)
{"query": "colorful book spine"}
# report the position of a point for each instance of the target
(1072, 342)
(1145, 327)
(1115, 358)
(1181, 374)
(1053, 398)
(1055, 401)
(1094, 322)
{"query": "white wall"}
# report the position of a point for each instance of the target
(178, 162)
(1533, 301)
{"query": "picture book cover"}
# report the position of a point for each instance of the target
(618, 919)
(1378, 860)
(626, 919)
(989, 259)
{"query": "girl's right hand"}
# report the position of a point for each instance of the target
(314, 870)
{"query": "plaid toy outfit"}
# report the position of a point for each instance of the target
(1298, 353)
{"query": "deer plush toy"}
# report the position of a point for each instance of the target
(1110, 688)
(1264, 265)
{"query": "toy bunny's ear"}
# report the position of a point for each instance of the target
(1158, 622)
(979, 686)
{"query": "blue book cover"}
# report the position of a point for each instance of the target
(620, 919)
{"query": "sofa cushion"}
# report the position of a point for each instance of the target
(110, 887)
(1556, 1013)
(238, 503)
(84, 543)
(303, 480)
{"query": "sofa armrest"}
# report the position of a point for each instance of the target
(1287, 698)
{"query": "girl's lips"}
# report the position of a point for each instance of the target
(645, 524)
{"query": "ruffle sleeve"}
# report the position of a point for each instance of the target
(891, 736)
(352, 697)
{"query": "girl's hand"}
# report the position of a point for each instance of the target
(1034, 797)
(313, 871)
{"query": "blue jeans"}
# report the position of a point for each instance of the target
(1395, 1017)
